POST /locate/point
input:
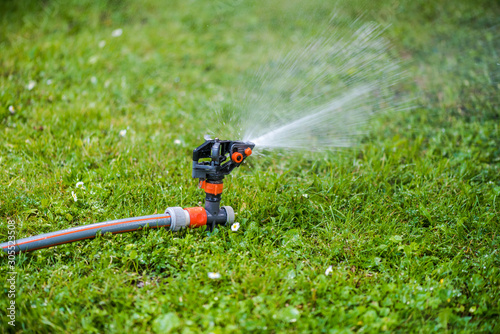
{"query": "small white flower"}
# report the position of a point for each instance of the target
(74, 196)
(49, 82)
(93, 80)
(117, 32)
(214, 275)
(305, 195)
(123, 133)
(102, 44)
(328, 270)
(235, 227)
(31, 85)
(12, 110)
(177, 142)
(80, 184)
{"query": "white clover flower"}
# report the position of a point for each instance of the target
(177, 142)
(328, 270)
(74, 196)
(49, 82)
(214, 275)
(117, 32)
(80, 184)
(235, 227)
(102, 44)
(31, 85)
(123, 133)
(12, 110)
(93, 80)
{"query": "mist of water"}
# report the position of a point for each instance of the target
(321, 94)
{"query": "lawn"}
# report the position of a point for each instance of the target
(117, 94)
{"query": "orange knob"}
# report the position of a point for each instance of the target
(237, 157)
(248, 151)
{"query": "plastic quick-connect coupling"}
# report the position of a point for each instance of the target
(179, 218)
(197, 216)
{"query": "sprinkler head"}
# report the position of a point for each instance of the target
(224, 155)
(220, 158)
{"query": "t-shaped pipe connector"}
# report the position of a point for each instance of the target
(198, 216)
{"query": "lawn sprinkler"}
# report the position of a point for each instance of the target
(211, 175)
(212, 161)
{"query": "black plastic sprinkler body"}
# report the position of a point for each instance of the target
(223, 156)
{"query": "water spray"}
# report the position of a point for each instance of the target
(321, 94)
(212, 161)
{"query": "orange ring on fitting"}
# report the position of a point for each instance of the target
(212, 188)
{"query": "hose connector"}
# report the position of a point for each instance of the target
(179, 218)
(199, 216)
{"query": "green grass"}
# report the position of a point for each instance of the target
(409, 220)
